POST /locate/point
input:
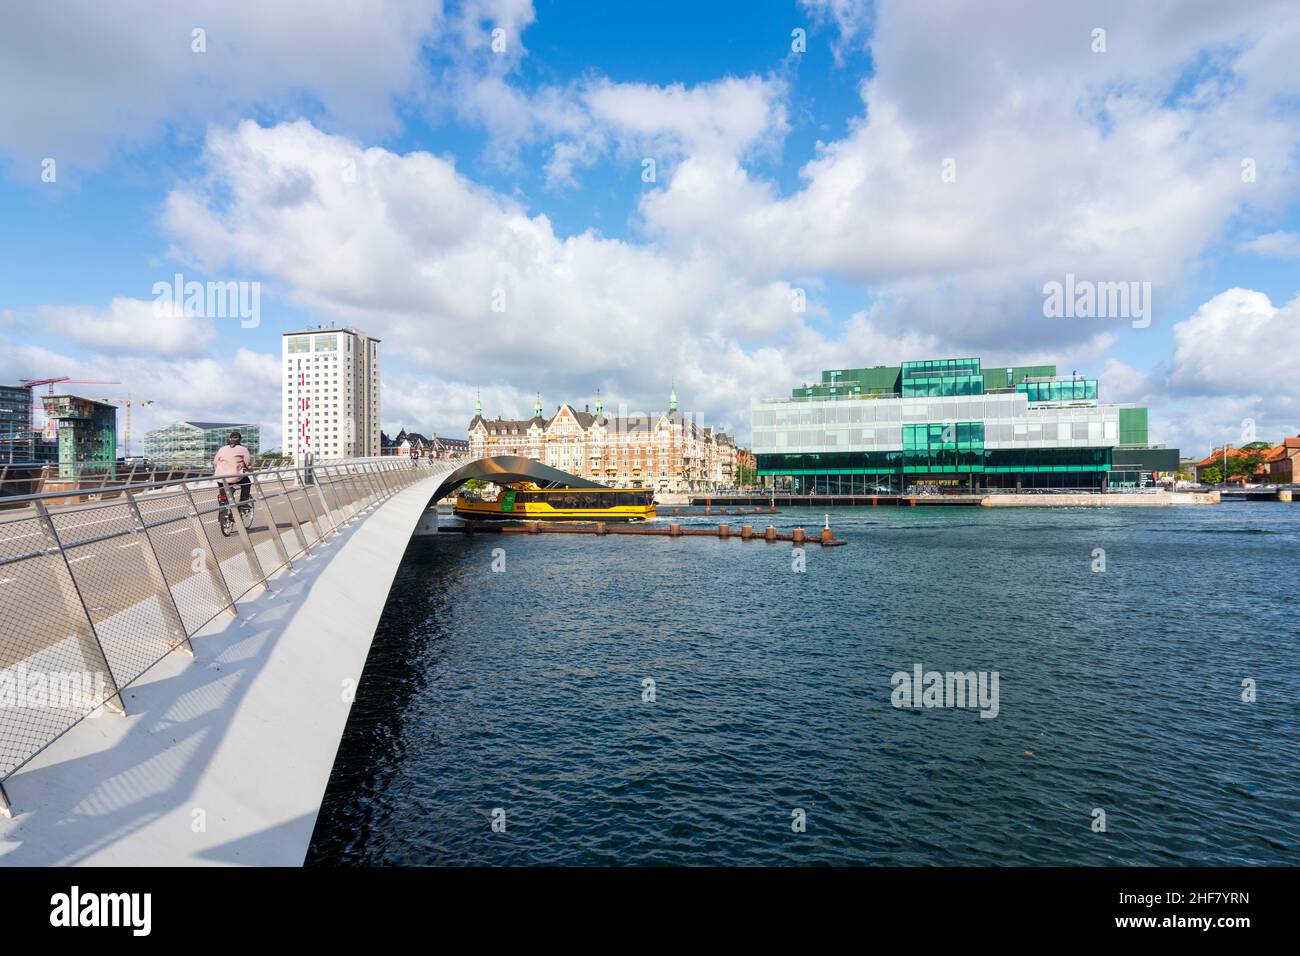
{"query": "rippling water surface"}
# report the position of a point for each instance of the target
(1121, 690)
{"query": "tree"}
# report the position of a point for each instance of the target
(745, 476)
(1247, 463)
(272, 459)
(1241, 463)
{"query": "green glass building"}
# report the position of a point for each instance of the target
(87, 435)
(952, 422)
(193, 444)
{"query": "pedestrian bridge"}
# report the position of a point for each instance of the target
(1261, 493)
(171, 694)
(504, 468)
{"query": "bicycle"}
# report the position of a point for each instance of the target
(226, 516)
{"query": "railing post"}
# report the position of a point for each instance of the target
(334, 488)
(359, 488)
(155, 571)
(381, 486)
(293, 515)
(311, 508)
(214, 569)
(356, 491)
(6, 808)
(371, 483)
(73, 601)
(255, 490)
(325, 489)
(386, 476)
(254, 562)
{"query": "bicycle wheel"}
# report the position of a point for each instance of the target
(246, 510)
(227, 522)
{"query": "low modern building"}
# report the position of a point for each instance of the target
(952, 422)
(86, 431)
(193, 444)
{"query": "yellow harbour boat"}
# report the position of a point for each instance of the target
(528, 502)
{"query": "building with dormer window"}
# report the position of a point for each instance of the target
(666, 451)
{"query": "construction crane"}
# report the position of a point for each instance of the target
(32, 383)
(127, 402)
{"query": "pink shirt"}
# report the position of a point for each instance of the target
(232, 460)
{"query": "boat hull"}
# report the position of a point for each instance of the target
(615, 505)
(478, 512)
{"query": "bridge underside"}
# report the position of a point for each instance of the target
(507, 468)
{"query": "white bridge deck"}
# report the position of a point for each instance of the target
(223, 758)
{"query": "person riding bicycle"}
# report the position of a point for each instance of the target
(232, 460)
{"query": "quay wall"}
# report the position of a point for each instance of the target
(1159, 499)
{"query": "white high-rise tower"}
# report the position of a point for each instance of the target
(331, 393)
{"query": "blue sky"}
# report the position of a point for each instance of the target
(777, 170)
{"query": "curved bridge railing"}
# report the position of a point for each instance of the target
(501, 468)
(98, 586)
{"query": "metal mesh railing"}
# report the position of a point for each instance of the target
(99, 584)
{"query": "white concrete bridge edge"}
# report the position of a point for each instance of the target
(223, 758)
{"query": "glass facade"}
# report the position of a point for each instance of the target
(1071, 390)
(18, 443)
(15, 412)
(938, 377)
(943, 424)
(87, 434)
(944, 447)
(193, 444)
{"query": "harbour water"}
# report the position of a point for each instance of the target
(1120, 690)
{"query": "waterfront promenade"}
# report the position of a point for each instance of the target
(1151, 499)
(223, 758)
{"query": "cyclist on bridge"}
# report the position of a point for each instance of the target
(234, 459)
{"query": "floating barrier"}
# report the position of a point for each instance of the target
(825, 537)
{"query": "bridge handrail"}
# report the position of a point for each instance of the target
(94, 593)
